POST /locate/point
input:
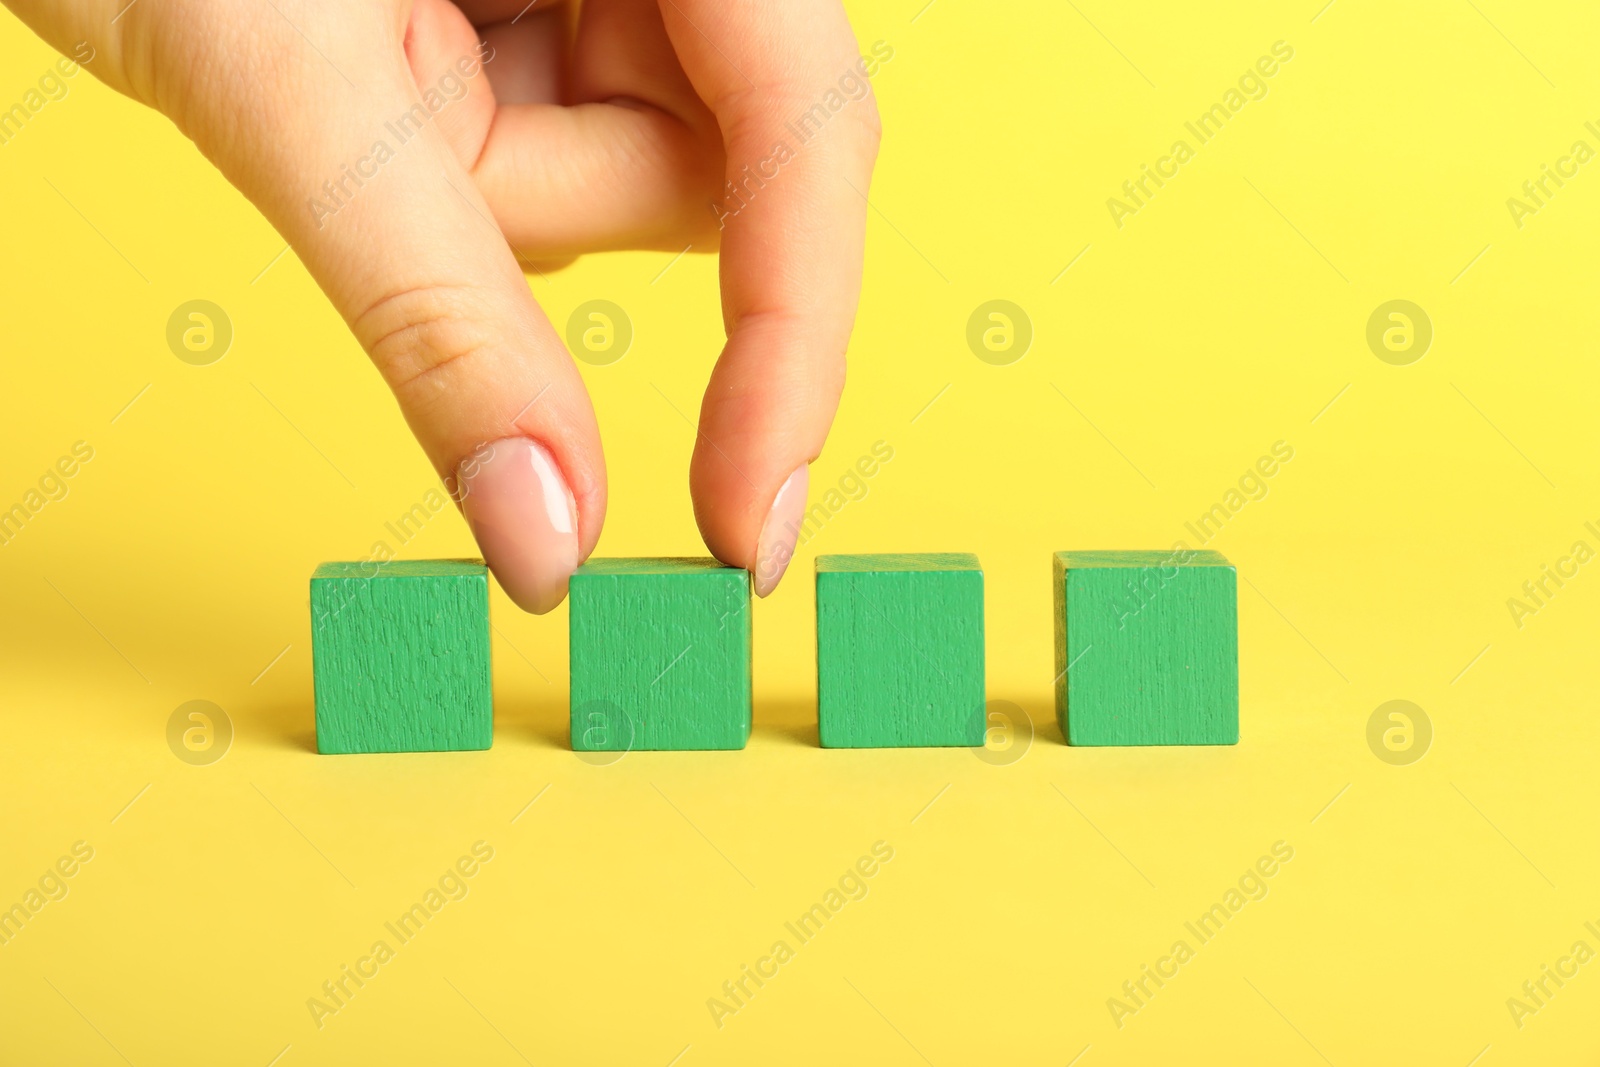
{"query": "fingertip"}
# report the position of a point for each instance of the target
(524, 518)
(780, 531)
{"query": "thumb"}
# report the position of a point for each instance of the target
(344, 157)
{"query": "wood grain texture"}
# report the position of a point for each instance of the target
(400, 656)
(900, 656)
(1147, 648)
(660, 655)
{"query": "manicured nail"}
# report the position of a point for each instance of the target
(524, 518)
(775, 546)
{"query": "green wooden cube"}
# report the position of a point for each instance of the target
(400, 656)
(660, 655)
(900, 651)
(1147, 648)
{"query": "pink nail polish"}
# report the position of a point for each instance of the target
(775, 546)
(524, 518)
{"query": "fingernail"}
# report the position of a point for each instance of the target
(524, 518)
(775, 546)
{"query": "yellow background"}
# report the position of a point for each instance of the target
(1223, 317)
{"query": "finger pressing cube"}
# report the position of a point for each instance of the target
(660, 655)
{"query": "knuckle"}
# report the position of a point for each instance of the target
(870, 122)
(863, 142)
(416, 335)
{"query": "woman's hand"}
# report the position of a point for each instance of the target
(399, 145)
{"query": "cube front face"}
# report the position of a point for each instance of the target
(900, 657)
(400, 656)
(1147, 648)
(660, 655)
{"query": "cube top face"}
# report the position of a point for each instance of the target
(1142, 558)
(403, 568)
(900, 655)
(660, 655)
(400, 656)
(885, 562)
(658, 565)
(1147, 648)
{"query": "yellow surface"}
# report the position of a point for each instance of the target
(1221, 318)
